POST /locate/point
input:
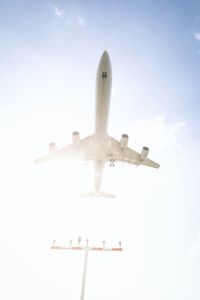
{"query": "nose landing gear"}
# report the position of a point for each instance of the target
(112, 162)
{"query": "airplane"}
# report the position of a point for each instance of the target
(100, 147)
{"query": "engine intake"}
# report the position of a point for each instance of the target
(75, 138)
(144, 153)
(52, 147)
(124, 141)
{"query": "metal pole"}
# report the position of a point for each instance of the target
(84, 274)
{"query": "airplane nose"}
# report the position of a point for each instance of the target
(104, 68)
(105, 56)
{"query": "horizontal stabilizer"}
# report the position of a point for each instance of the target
(97, 195)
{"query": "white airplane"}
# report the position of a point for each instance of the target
(100, 147)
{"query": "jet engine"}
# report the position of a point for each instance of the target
(124, 141)
(144, 153)
(52, 147)
(75, 138)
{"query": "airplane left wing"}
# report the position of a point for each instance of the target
(127, 155)
(82, 151)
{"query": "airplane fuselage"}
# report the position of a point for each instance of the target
(103, 94)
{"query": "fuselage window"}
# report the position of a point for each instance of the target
(104, 74)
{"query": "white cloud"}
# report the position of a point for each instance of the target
(158, 131)
(195, 247)
(197, 36)
(60, 13)
(71, 20)
(81, 21)
(164, 138)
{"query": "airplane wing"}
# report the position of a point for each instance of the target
(127, 155)
(84, 151)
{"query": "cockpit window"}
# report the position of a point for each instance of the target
(104, 75)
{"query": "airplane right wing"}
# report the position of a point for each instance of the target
(82, 151)
(128, 155)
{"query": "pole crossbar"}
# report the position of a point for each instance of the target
(86, 248)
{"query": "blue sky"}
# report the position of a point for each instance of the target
(49, 52)
(156, 38)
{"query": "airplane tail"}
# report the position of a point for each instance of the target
(97, 195)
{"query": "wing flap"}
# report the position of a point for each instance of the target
(150, 163)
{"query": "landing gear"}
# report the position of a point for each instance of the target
(112, 162)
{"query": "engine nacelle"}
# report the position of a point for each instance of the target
(52, 147)
(75, 138)
(124, 141)
(144, 153)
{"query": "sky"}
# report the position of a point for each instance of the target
(49, 53)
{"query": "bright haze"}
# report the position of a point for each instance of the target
(48, 59)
